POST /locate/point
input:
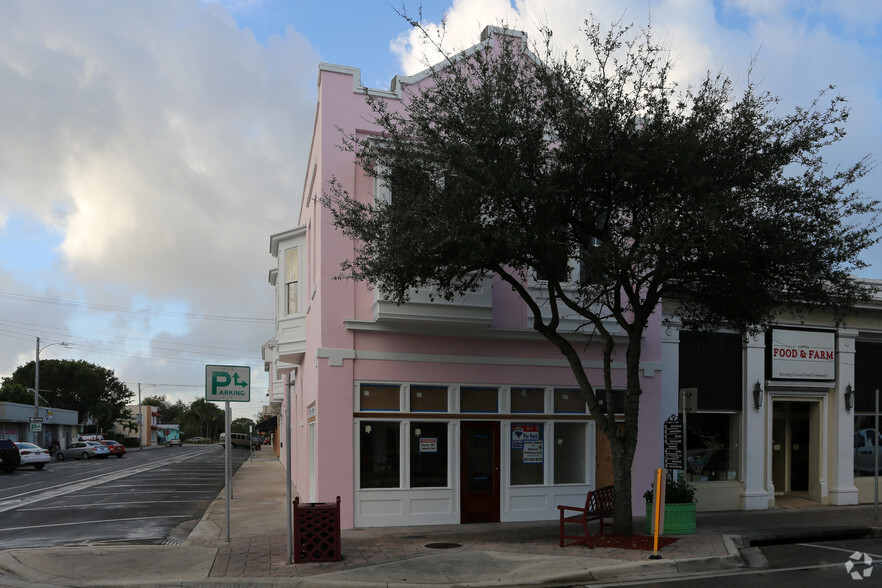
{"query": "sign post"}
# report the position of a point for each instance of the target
(228, 383)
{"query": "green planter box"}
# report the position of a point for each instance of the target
(679, 519)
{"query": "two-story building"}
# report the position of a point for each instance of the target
(433, 411)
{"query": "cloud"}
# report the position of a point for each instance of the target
(162, 145)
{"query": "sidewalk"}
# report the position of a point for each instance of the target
(495, 554)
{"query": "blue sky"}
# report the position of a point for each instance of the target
(150, 148)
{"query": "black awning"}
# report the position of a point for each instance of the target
(267, 425)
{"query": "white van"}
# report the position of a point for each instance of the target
(238, 440)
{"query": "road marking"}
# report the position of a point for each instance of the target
(93, 522)
(840, 549)
(34, 496)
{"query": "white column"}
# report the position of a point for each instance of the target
(755, 454)
(840, 451)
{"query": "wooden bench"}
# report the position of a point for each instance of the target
(598, 505)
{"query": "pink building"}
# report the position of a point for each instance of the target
(432, 412)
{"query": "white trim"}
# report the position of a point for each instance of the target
(336, 357)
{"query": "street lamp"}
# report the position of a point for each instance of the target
(37, 382)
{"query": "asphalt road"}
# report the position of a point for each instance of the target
(817, 564)
(148, 497)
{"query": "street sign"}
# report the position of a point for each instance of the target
(673, 442)
(35, 419)
(36, 427)
(227, 383)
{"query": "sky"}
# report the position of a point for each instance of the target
(148, 149)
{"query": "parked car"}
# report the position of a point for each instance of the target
(83, 450)
(10, 458)
(864, 451)
(197, 440)
(116, 448)
(33, 455)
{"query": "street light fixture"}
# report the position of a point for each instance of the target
(37, 381)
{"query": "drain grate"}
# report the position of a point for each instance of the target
(443, 545)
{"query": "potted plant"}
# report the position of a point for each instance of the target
(679, 508)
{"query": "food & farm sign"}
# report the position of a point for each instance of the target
(803, 355)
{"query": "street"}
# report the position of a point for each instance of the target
(148, 497)
(824, 563)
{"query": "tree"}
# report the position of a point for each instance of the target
(615, 191)
(242, 425)
(19, 393)
(209, 417)
(91, 390)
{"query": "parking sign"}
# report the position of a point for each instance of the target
(227, 383)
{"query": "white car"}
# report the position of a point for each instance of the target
(33, 455)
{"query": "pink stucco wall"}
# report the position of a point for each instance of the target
(330, 387)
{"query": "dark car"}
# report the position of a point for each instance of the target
(10, 458)
(116, 448)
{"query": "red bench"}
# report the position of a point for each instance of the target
(598, 505)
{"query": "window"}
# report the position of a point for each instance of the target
(380, 454)
(527, 454)
(570, 453)
(528, 400)
(569, 400)
(473, 399)
(428, 398)
(428, 455)
(379, 397)
(291, 281)
(865, 445)
(712, 442)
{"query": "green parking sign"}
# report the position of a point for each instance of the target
(227, 383)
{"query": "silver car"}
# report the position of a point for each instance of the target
(83, 450)
(865, 442)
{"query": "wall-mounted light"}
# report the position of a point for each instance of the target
(757, 396)
(849, 397)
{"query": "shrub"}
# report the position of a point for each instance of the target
(676, 492)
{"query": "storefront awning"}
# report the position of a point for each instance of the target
(267, 425)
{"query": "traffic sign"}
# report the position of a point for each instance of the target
(36, 427)
(35, 419)
(227, 383)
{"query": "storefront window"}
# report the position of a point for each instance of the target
(865, 445)
(472, 399)
(712, 443)
(527, 453)
(428, 455)
(380, 397)
(528, 400)
(570, 453)
(428, 398)
(380, 454)
(568, 400)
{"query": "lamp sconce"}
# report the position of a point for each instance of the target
(849, 397)
(757, 396)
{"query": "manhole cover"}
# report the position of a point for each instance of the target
(443, 545)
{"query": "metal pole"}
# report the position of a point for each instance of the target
(227, 464)
(36, 391)
(685, 435)
(876, 459)
(140, 420)
(290, 508)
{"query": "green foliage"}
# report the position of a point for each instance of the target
(243, 425)
(676, 492)
(91, 390)
(506, 165)
(15, 392)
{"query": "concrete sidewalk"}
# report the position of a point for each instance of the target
(495, 554)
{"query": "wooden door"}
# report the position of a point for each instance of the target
(479, 472)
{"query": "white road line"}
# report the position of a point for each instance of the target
(34, 496)
(840, 549)
(93, 522)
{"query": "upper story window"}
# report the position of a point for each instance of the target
(292, 281)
